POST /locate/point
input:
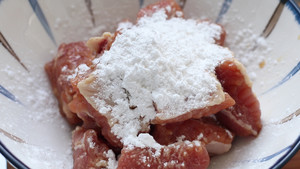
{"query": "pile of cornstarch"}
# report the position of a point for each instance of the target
(169, 62)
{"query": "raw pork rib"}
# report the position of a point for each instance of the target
(217, 139)
(243, 118)
(171, 8)
(60, 70)
(89, 151)
(181, 155)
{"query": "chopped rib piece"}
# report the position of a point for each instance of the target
(99, 44)
(65, 70)
(105, 121)
(181, 155)
(60, 71)
(89, 151)
(217, 139)
(79, 106)
(226, 102)
(171, 8)
(243, 118)
(64, 74)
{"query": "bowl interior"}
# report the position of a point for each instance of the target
(34, 132)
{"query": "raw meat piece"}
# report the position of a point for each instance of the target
(181, 155)
(89, 151)
(216, 138)
(170, 6)
(197, 113)
(68, 58)
(243, 118)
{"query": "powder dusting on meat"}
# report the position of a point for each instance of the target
(157, 64)
(112, 162)
(143, 140)
(80, 70)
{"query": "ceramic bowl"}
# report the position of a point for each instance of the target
(264, 35)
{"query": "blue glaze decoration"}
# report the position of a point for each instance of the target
(225, 6)
(286, 78)
(141, 3)
(290, 74)
(88, 4)
(9, 95)
(288, 155)
(274, 19)
(293, 6)
(270, 156)
(7, 46)
(39, 13)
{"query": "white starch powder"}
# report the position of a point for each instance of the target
(166, 63)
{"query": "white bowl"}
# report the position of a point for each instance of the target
(33, 133)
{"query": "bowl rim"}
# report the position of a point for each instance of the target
(16, 162)
(295, 147)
